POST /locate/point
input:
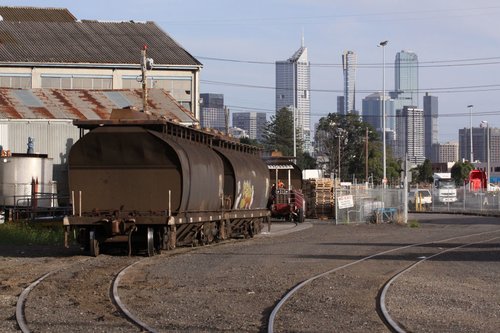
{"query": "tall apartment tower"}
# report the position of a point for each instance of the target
(405, 80)
(430, 124)
(349, 70)
(212, 111)
(252, 122)
(410, 134)
(445, 152)
(293, 86)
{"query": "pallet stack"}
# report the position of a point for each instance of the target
(319, 198)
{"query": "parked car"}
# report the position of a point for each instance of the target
(419, 198)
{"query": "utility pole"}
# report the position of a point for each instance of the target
(144, 79)
(226, 118)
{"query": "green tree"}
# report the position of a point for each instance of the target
(343, 139)
(460, 172)
(306, 161)
(278, 135)
(424, 172)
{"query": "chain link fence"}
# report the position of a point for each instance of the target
(363, 204)
(359, 204)
(469, 202)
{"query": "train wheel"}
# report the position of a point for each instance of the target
(150, 242)
(93, 244)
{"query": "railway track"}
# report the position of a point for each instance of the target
(235, 288)
(64, 296)
(74, 298)
(381, 307)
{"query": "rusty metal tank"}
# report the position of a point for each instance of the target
(133, 168)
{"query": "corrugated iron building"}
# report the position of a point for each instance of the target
(55, 68)
(49, 48)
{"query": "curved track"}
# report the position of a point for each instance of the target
(391, 323)
(381, 299)
(21, 301)
(124, 310)
(58, 278)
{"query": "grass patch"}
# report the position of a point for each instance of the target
(23, 233)
(413, 224)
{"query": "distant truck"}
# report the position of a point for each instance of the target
(477, 180)
(419, 199)
(445, 190)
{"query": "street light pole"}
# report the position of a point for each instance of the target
(384, 157)
(294, 135)
(366, 155)
(470, 126)
(487, 152)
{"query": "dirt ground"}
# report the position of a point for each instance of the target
(233, 287)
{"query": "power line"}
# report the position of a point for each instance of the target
(316, 19)
(444, 90)
(447, 115)
(420, 64)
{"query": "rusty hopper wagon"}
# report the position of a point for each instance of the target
(155, 184)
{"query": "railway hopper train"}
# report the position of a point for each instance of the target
(154, 184)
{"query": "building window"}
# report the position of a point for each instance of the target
(76, 82)
(15, 81)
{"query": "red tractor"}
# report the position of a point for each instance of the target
(287, 204)
(286, 200)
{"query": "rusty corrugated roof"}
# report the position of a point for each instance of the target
(18, 14)
(88, 42)
(85, 104)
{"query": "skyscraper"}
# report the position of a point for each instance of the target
(349, 70)
(430, 124)
(371, 112)
(410, 134)
(293, 91)
(252, 122)
(212, 111)
(406, 79)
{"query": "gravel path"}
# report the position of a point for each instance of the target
(233, 287)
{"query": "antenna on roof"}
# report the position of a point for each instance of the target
(302, 40)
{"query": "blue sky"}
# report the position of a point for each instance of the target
(457, 42)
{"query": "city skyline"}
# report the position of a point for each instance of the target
(457, 46)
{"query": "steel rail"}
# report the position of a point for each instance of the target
(119, 304)
(21, 301)
(385, 313)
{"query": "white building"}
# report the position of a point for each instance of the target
(410, 139)
(293, 86)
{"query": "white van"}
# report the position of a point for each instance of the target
(419, 197)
